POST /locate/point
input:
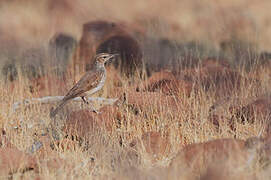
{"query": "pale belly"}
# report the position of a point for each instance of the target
(99, 87)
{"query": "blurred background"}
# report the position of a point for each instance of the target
(189, 71)
(63, 34)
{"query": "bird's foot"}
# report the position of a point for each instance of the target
(95, 111)
(84, 99)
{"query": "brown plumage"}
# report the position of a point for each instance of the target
(90, 83)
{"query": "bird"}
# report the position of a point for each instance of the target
(90, 83)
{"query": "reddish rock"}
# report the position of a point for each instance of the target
(151, 104)
(216, 148)
(48, 154)
(168, 84)
(104, 36)
(227, 152)
(84, 122)
(259, 110)
(250, 111)
(12, 160)
(220, 112)
(61, 48)
(214, 77)
(93, 34)
(155, 143)
(219, 171)
(52, 158)
(80, 124)
(220, 77)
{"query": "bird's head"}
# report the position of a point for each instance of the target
(103, 58)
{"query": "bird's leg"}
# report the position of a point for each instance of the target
(84, 99)
(95, 111)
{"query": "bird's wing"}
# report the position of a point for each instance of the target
(89, 81)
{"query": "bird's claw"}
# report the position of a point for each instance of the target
(95, 111)
(85, 100)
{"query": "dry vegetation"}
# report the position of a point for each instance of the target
(198, 105)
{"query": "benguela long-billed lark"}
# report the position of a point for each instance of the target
(90, 83)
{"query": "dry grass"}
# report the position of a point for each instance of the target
(139, 137)
(121, 151)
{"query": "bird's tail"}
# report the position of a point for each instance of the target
(54, 111)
